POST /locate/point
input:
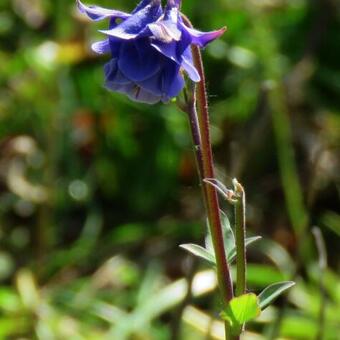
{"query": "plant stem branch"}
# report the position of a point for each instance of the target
(240, 227)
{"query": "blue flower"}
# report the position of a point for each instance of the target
(149, 49)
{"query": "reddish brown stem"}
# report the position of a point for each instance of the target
(223, 271)
(207, 171)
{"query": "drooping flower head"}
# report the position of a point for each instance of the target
(149, 49)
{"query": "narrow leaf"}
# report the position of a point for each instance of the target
(232, 252)
(199, 251)
(228, 235)
(240, 310)
(208, 240)
(252, 239)
(271, 292)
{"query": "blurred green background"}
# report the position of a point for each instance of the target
(97, 192)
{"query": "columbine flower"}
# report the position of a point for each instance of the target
(149, 49)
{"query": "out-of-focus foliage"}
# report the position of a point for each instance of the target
(97, 192)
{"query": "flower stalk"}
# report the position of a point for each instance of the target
(199, 123)
(190, 109)
(223, 271)
(212, 204)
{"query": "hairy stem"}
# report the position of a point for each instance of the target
(206, 170)
(214, 217)
(196, 135)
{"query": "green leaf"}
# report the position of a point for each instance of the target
(252, 239)
(229, 238)
(228, 235)
(271, 292)
(240, 310)
(199, 251)
(208, 240)
(232, 251)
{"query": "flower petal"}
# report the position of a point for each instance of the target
(134, 92)
(99, 13)
(115, 45)
(165, 31)
(153, 84)
(143, 96)
(168, 50)
(101, 47)
(185, 60)
(122, 88)
(173, 3)
(144, 3)
(113, 74)
(137, 60)
(185, 41)
(136, 25)
(176, 86)
(171, 13)
(203, 38)
(189, 67)
(172, 80)
(173, 50)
